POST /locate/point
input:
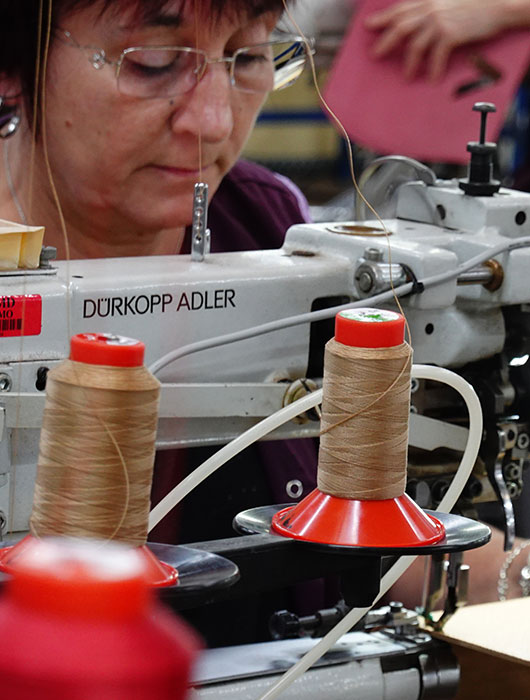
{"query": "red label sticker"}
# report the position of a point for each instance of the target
(20, 314)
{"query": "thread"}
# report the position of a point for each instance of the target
(365, 417)
(96, 453)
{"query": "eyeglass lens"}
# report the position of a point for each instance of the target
(165, 72)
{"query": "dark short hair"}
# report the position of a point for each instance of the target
(22, 20)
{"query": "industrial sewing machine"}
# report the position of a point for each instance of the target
(475, 321)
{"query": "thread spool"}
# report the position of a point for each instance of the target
(360, 499)
(97, 448)
(365, 408)
(82, 622)
(97, 443)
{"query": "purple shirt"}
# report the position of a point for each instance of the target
(252, 210)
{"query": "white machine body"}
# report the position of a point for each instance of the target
(168, 302)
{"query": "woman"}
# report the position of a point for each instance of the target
(121, 135)
(124, 153)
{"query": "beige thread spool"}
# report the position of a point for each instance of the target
(365, 407)
(97, 443)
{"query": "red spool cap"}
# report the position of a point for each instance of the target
(369, 328)
(107, 349)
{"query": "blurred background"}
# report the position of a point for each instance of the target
(295, 137)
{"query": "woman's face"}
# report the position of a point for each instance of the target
(132, 162)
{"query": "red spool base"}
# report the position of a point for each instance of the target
(324, 519)
(158, 573)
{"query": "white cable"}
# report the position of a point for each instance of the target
(464, 470)
(284, 415)
(312, 316)
(304, 404)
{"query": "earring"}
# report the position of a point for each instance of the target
(9, 118)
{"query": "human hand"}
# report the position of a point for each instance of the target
(431, 29)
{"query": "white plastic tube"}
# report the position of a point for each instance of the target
(283, 416)
(464, 470)
(305, 404)
(474, 438)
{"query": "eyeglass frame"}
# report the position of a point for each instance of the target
(99, 58)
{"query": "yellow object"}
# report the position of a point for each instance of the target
(20, 245)
(292, 140)
(293, 128)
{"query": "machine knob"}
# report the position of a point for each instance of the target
(284, 625)
(480, 182)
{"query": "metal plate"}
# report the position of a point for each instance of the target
(198, 571)
(460, 533)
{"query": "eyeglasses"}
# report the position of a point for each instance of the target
(167, 71)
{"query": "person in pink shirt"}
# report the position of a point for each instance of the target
(427, 31)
